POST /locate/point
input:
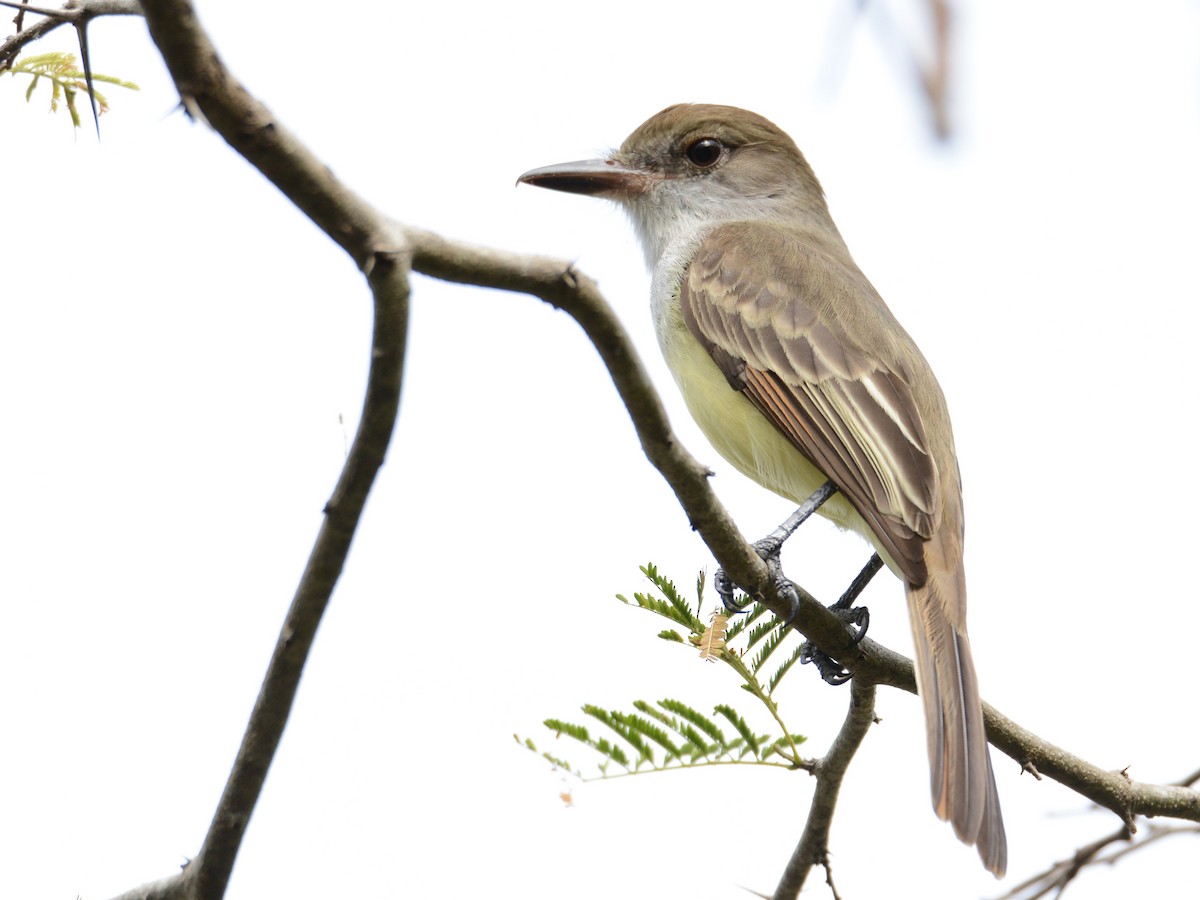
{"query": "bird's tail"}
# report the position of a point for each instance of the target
(964, 788)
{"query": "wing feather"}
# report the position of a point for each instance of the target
(779, 340)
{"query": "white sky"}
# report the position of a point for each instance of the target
(178, 345)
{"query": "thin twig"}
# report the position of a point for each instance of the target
(934, 74)
(1055, 878)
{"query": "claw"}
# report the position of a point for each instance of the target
(830, 671)
(861, 619)
(725, 588)
(768, 549)
(858, 617)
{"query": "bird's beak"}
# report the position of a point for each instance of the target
(595, 177)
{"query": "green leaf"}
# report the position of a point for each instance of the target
(783, 669)
(675, 606)
(644, 707)
(739, 623)
(774, 639)
(742, 728)
(66, 80)
(630, 735)
(760, 631)
(569, 729)
(613, 752)
(651, 731)
(701, 721)
(782, 746)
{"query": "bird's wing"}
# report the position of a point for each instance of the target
(787, 341)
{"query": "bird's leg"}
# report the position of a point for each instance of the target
(768, 548)
(844, 609)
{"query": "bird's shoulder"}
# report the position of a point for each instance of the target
(790, 300)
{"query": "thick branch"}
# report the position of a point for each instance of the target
(207, 89)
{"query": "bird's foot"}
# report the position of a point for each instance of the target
(768, 549)
(831, 671)
(857, 617)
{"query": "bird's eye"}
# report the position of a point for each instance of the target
(704, 153)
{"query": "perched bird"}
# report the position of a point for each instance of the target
(798, 373)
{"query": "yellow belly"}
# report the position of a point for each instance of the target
(743, 435)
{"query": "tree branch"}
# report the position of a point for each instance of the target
(1055, 878)
(75, 12)
(1115, 791)
(388, 277)
(813, 848)
(374, 245)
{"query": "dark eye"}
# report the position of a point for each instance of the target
(704, 152)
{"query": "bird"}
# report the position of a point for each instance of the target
(798, 373)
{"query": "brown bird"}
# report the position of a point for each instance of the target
(798, 373)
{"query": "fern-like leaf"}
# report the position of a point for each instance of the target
(695, 745)
(784, 747)
(651, 731)
(66, 81)
(701, 721)
(675, 606)
(579, 733)
(740, 623)
(570, 729)
(646, 709)
(743, 729)
(686, 736)
(792, 659)
(627, 733)
(614, 752)
(774, 639)
(760, 631)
